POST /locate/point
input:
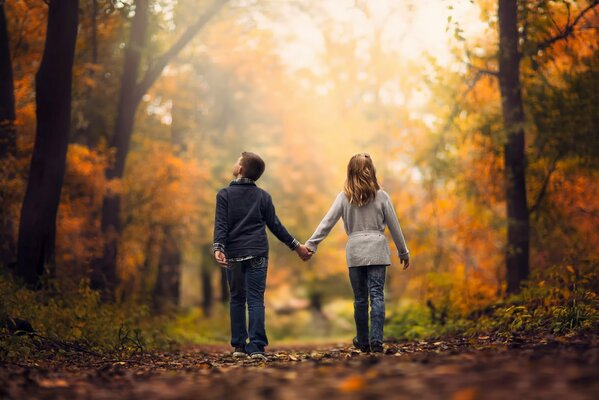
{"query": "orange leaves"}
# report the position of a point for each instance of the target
(468, 393)
(161, 191)
(351, 384)
(78, 231)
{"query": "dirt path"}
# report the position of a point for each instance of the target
(482, 368)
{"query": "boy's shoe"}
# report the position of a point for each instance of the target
(376, 347)
(259, 355)
(239, 352)
(364, 348)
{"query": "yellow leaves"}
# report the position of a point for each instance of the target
(131, 255)
(161, 191)
(353, 383)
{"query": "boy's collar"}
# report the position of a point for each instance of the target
(243, 181)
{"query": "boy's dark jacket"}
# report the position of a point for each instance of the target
(243, 210)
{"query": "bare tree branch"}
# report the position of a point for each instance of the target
(161, 62)
(543, 191)
(567, 30)
(483, 71)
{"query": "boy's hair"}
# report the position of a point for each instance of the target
(361, 184)
(253, 165)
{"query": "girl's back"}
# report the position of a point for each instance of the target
(369, 217)
(365, 226)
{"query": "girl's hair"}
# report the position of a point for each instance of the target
(361, 184)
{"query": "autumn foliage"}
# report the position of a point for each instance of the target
(432, 124)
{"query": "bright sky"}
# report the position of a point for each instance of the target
(410, 27)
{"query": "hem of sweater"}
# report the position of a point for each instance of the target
(370, 265)
(246, 252)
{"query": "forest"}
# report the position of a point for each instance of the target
(121, 119)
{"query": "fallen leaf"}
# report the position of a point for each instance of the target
(446, 369)
(465, 394)
(353, 383)
(52, 383)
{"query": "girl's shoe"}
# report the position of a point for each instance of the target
(376, 347)
(364, 348)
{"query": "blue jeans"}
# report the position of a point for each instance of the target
(369, 281)
(247, 282)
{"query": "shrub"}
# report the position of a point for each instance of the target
(70, 320)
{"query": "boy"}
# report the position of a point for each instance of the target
(240, 244)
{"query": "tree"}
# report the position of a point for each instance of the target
(94, 31)
(518, 211)
(8, 139)
(104, 275)
(7, 95)
(37, 227)
(166, 290)
(518, 228)
(167, 287)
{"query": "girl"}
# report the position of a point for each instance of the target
(366, 210)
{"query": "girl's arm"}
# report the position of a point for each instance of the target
(327, 223)
(395, 229)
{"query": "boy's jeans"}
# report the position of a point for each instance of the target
(247, 281)
(369, 281)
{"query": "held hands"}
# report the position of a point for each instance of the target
(303, 252)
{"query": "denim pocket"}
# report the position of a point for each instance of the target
(257, 262)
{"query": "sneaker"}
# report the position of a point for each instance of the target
(376, 347)
(259, 355)
(239, 352)
(364, 348)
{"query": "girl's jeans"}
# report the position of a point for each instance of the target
(369, 281)
(247, 281)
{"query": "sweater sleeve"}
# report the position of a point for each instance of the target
(276, 227)
(327, 223)
(395, 229)
(221, 228)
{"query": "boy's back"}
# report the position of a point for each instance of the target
(243, 210)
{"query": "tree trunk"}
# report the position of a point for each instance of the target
(8, 141)
(169, 267)
(166, 291)
(104, 274)
(94, 32)
(7, 94)
(104, 269)
(514, 158)
(206, 269)
(224, 286)
(37, 228)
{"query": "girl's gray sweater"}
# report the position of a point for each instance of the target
(367, 244)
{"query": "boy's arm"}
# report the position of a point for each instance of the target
(221, 228)
(276, 227)
(395, 229)
(327, 223)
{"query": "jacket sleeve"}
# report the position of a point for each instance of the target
(395, 229)
(275, 225)
(221, 228)
(327, 223)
